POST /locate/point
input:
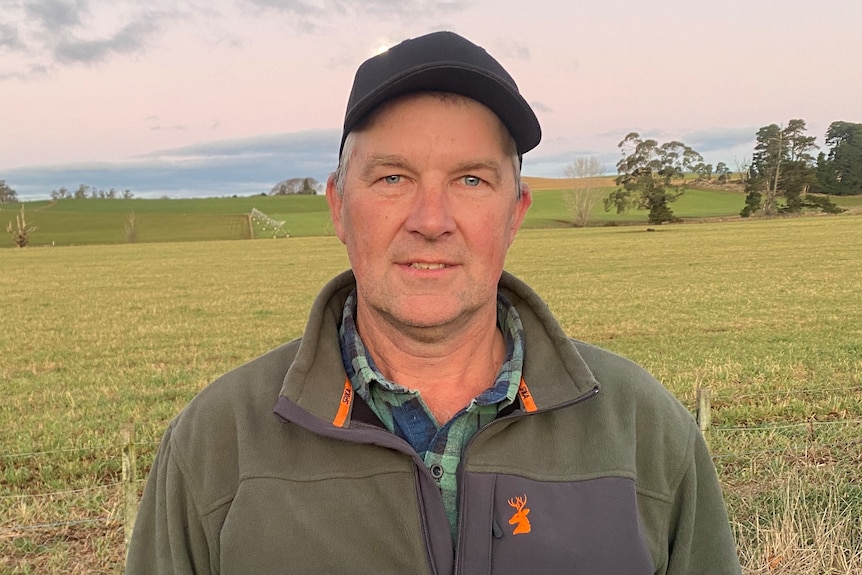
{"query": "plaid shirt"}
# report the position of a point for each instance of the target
(404, 413)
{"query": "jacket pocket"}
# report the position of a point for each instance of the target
(514, 525)
(361, 525)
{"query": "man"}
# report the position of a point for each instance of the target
(434, 418)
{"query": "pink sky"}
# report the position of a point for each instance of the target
(93, 82)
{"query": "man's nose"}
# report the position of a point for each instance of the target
(431, 211)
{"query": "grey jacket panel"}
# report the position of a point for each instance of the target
(516, 525)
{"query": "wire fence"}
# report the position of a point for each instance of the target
(14, 503)
(112, 504)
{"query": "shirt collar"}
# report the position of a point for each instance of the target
(364, 374)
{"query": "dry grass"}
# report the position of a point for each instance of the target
(827, 541)
(87, 549)
(765, 313)
(539, 184)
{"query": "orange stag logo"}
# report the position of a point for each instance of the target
(520, 516)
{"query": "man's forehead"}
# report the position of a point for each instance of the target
(447, 98)
(402, 108)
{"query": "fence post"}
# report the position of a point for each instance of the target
(704, 418)
(130, 485)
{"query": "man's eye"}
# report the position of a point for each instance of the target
(392, 179)
(472, 181)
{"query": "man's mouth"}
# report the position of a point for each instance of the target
(426, 266)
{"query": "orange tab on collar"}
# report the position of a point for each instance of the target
(526, 397)
(344, 405)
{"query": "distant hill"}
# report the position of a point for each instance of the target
(538, 184)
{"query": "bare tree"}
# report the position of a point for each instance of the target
(585, 191)
(742, 168)
(131, 227)
(20, 233)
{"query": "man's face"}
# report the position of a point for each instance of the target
(429, 210)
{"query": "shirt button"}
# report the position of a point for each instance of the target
(437, 471)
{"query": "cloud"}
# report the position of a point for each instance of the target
(553, 164)
(85, 31)
(33, 71)
(56, 15)
(131, 38)
(313, 141)
(513, 50)
(714, 144)
(226, 167)
(702, 140)
(717, 139)
(72, 32)
(156, 125)
(617, 135)
(297, 7)
(245, 166)
(540, 107)
(10, 38)
(313, 13)
(404, 8)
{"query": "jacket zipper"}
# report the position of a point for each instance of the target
(397, 444)
(345, 434)
(428, 550)
(461, 473)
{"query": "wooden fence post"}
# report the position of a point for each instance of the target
(704, 418)
(130, 484)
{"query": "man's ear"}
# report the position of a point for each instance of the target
(521, 206)
(335, 201)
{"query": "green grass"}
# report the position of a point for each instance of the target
(847, 201)
(765, 313)
(549, 208)
(225, 206)
(101, 221)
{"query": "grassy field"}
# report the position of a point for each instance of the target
(74, 222)
(100, 221)
(764, 313)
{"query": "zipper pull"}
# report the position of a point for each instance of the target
(496, 530)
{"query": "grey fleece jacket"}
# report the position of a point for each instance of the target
(598, 471)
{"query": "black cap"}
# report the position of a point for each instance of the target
(442, 62)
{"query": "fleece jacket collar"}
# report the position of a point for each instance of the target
(554, 371)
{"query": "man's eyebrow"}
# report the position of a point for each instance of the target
(385, 161)
(481, 165)
(402, 163)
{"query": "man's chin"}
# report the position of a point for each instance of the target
(424, 317)
(435, 324)
(429, 321)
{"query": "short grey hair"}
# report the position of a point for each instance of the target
(340, 173)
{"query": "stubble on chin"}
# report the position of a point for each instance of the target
(416, 322)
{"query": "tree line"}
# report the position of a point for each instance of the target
(784, 175)
(85, 192)
(7, 194)
(297, 186)
(784, 166)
